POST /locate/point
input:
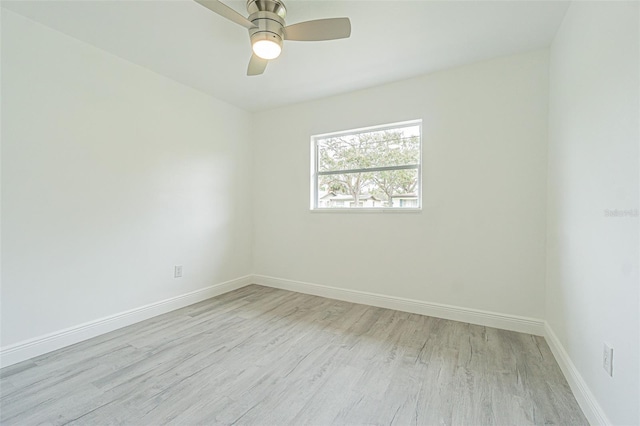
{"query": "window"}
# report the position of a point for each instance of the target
(373, 168)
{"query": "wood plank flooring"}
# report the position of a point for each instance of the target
(261, 356)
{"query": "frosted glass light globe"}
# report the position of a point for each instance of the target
(267, 49)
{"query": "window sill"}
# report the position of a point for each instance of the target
(368, 210)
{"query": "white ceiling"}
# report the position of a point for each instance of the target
(390, 40)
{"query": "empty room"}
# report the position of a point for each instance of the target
(288, 212)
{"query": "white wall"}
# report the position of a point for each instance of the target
(479, 241)
(111, 175)
(592, 263)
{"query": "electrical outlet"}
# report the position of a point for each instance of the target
(607, 359)
(177, 271)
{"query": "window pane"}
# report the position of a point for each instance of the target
(382, 189)
(382, 148)
(368, 168)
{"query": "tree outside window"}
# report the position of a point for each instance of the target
(368, 168)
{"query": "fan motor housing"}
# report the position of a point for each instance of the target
(269, 26)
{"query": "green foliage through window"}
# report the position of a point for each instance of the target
(371, 168)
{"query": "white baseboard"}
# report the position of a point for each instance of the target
(456, 313)
(587, 401)
(27, 349)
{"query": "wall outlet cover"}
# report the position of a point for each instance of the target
(607, 359)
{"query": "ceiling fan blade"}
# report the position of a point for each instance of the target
(319, 29)
(227, 12)
(257, 65)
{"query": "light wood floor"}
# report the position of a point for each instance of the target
(270, 357)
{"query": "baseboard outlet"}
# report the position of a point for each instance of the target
(455, 313)
(25, 350)
(587, 401)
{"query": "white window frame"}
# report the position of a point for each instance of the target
(314, 170)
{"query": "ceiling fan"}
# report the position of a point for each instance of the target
(267, 29)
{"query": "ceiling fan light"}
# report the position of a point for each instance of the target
(266, 49)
